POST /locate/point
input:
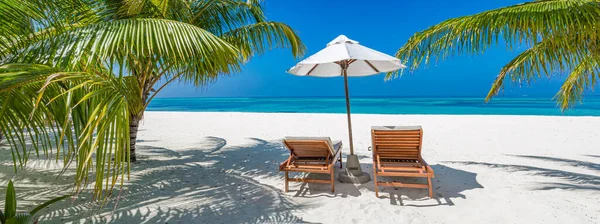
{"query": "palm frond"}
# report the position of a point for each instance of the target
(78, 115)
(164, 41)
(522, 24)
(39, 20)
(544, 58)
(221, 16)
(562, 35)
(260, 37)
(177, 10)
(583, 76)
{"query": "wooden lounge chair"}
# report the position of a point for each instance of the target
(397, 152)
(312, 155)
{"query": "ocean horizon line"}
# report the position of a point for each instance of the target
(359, 113)
(369, 97)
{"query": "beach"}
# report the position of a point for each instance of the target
(204, 167)
(197, 111)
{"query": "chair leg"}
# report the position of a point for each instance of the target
(340, 160)
(286, 181)
(375, 180)
(430, 190)
(332, 181)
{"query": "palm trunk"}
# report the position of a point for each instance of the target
(135, 118)
(133, 130)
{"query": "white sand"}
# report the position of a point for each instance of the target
(223, 168)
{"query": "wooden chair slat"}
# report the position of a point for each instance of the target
(398, 149)
(411, 136)
(405, 168)
(398, 145)
(307, 180)
(397, 132)
(398, 153)
(397, 141)
(398, 184)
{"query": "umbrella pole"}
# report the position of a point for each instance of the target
(353, 172)
(345, 71)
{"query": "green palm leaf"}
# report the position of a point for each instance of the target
(544, 58)
(47, 203)
(21, 218)
(82, 115)
(221, 16)
(10, 202)
(525, 23)
(584, 75)
(261, 37)
(561, 33)
(167, 41)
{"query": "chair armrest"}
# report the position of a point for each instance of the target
(428, 168)
(284, 163)
(336, 156)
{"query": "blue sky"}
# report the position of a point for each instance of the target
(384, 25)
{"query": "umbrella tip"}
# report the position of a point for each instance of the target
(342, 39)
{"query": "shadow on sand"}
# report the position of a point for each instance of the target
(570, 180)
(595, 156)
(570, 162)
(448, 183)
(213, 181)
(34, 183)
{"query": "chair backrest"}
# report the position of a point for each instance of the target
(402, 142)
(309, 146)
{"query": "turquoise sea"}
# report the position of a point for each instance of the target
(378, 105)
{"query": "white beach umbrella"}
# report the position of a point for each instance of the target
(346, 57)
(360, 61)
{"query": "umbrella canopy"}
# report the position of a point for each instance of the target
(362, 61)
(345, 57)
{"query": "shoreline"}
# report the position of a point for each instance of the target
(292, 113)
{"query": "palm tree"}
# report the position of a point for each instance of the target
(77, 75)
(561, 36)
